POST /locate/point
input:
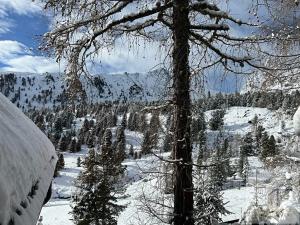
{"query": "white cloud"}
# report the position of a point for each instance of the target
(29, 63)
(17, 57)
(122, 58)
(5, 26)
(10, 49)
(20, 7)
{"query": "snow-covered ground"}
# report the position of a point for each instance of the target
(142, 182)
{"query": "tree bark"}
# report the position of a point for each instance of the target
(182, 149)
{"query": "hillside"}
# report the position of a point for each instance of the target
(244, 121)
(28, 90)
(142, 183)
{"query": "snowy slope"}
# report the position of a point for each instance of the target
(286, 82)
(27, 163)
(142, 181)
(31, 90)
(46, 90)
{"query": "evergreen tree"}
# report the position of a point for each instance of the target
(168, 143)
(147, 143)
(85, 126)
(258, 136)
(78, 146)
(120, 143)
(60, 164)
(135, 156)
(245, 170)
(154, 122)
(142, 123)
(95, 202)
(132, 121)
(269, 148)
(124, 121)
(57, 129)
(226, 158)
(209, 205)
(62, 143)
(112, 120)
(202, 148)
(78, 162)
(217, 172)
(216, 121)
(90, 139)
(131, 152)
(154, 128)
(72, 146)
(241, 162)
(120, 151)
(247, 145)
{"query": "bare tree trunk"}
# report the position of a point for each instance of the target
(183, 185)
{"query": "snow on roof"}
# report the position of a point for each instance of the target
(27, 162)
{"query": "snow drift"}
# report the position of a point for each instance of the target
(27, 163)
(296, 121)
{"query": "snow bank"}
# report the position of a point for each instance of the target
(296, 122)
(27, 163)
(288, 208)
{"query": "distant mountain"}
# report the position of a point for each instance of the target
(287, 82)
(29, 90)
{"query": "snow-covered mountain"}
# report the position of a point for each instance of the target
(286, 82)
(29, 90)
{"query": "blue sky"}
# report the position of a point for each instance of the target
(22, 22)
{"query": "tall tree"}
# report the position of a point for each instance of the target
(194, 28)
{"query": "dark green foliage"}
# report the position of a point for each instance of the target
(258, 136)
(142, 123)
(131, 152)
(268, 146)
(78, 162)
(216, 121)
(90, 139)
(147, 143)
(247, 145)
(112, 120)
(63, 143)
(78, 146)
(120, 151)
(85, 126)
(132, 121)
(124, 121)
(198, 124)
(220, 160)
(209, 205)
(151, 135)
(60, 164)
(135, 156)
(57, 128)
(241, 162)
(95, 203)
(120, 143)
(72, 146)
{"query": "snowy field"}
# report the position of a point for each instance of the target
(141, 180)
